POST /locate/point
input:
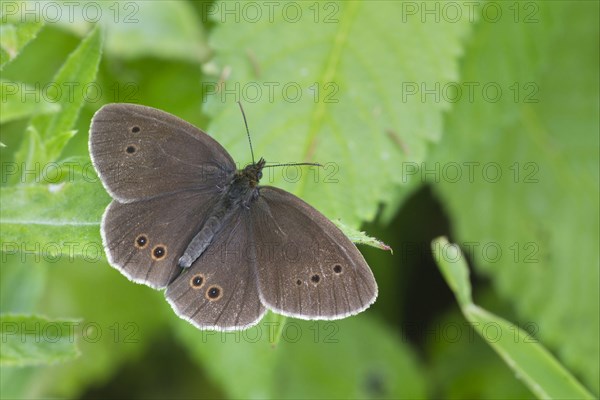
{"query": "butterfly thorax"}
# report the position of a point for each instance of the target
(252, 172)
(243, 187)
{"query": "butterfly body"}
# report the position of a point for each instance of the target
(240, 192)
(226, 249)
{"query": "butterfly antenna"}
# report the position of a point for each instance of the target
(247, 130)
(252, 150)
(292, 164)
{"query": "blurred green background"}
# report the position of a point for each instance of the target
(475, 120)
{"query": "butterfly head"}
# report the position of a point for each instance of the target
(253, 172)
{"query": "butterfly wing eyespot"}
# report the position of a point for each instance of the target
(197, 281)
(337, 268)
(159, 252)
(214, 293)
(141, 241)
(135, 129)
(315, 279)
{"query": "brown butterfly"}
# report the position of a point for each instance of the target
(226, 248)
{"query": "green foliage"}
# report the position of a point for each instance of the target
(344, 85)
(47, 135)
(543, 211)
(15, 34)
(61, 210)
(361, 237)
(26, 106)
(532, 363)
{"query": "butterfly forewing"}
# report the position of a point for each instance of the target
(141, 152)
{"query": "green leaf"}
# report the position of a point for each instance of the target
(36, 340)
(54, 220)
(79, 69)
(532, 363)
(48, 134)
(20, 100)
(454, 272)
(16, 30)
(541, 213)
(361, 237)
(535, 365)
(331, 95)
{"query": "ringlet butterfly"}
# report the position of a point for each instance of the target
(226, 249)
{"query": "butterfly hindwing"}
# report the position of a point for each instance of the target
(307, 268)
(219, 291)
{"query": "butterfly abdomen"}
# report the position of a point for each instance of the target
(238, 194)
